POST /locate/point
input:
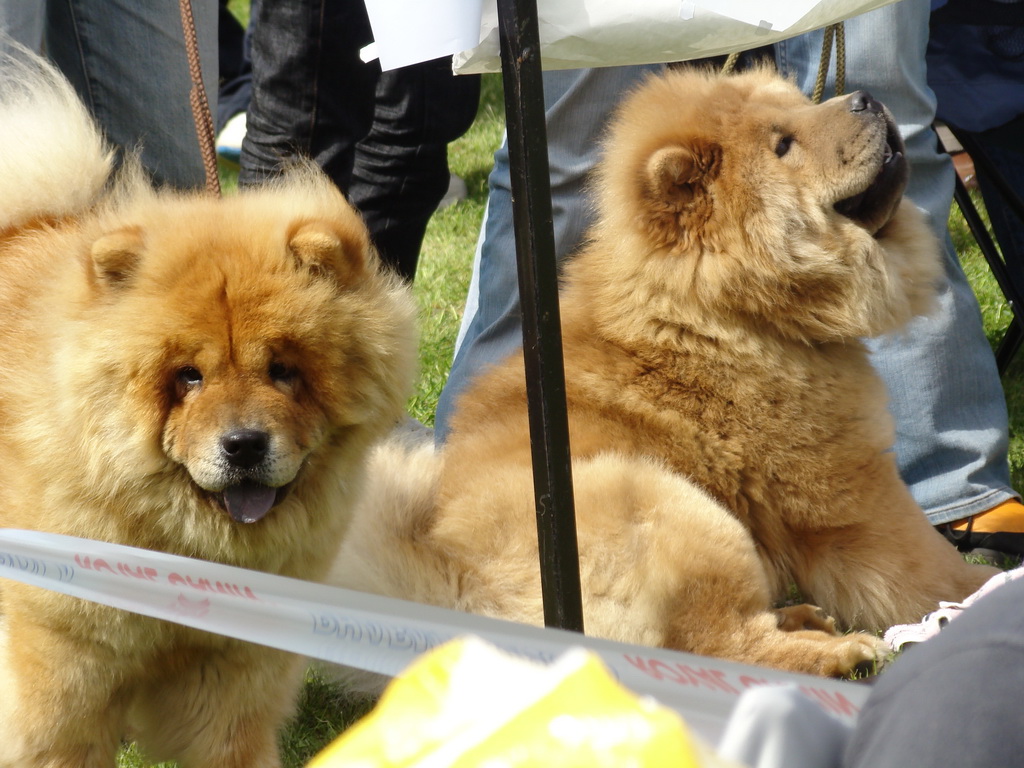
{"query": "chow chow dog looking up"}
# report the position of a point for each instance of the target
(729, 436)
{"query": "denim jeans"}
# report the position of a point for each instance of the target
(383, 139)
(235, 68)
(127, 61)
(401, 166)
(311, 94)
(951, 420)
(946, 397)
(1004, 147)
(976, 69)
(577, 103)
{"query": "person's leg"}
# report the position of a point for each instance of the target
(779, 726)
(401, 166)
(128, 62)
(946, 397)
(312, 96)
(953, 699)
(577, 104)
(235, 83)
(1004, 146)
(22, 22)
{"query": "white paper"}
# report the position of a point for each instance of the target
(370, 632)
(409, 31)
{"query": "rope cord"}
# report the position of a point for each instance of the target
(730, 63)
(833, 33)
(837, 33)
(201, 114)
(840, 59)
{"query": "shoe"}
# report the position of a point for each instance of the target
(964, 537)
(229, 140)
(456, 191)
(1006, 542)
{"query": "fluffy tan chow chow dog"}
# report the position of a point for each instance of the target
(186, 374)
(729, 436)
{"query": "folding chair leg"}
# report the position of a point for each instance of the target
(1014, 335)
(1009, 345)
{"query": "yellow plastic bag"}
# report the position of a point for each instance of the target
(468, 704)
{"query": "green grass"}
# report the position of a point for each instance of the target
(324, 712)
(240, 10)
(440, 291)
(442, 275)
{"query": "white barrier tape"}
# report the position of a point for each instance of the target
(370, 632)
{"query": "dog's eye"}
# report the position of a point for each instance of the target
(783, 146)
(281, 373)
(188, 378)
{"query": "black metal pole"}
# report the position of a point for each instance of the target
(538, 295)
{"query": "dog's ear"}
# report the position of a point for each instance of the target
(676, 183)
(678, 175)
(326, 251)
(116, 256)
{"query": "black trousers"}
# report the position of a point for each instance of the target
(382, 137)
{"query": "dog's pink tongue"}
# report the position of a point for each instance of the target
(248, 502)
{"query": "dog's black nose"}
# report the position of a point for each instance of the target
(862, 101)
(245, 448)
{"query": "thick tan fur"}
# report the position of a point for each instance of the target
(729, 436)
(140, 329)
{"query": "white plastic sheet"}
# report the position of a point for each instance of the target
(373, 633)
(600, 33)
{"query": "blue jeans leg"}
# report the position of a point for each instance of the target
(1004, 147)
(312, 96)
(401, 171)
(22, 22)
(946, 397)
(577, 104)
(127, 61)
